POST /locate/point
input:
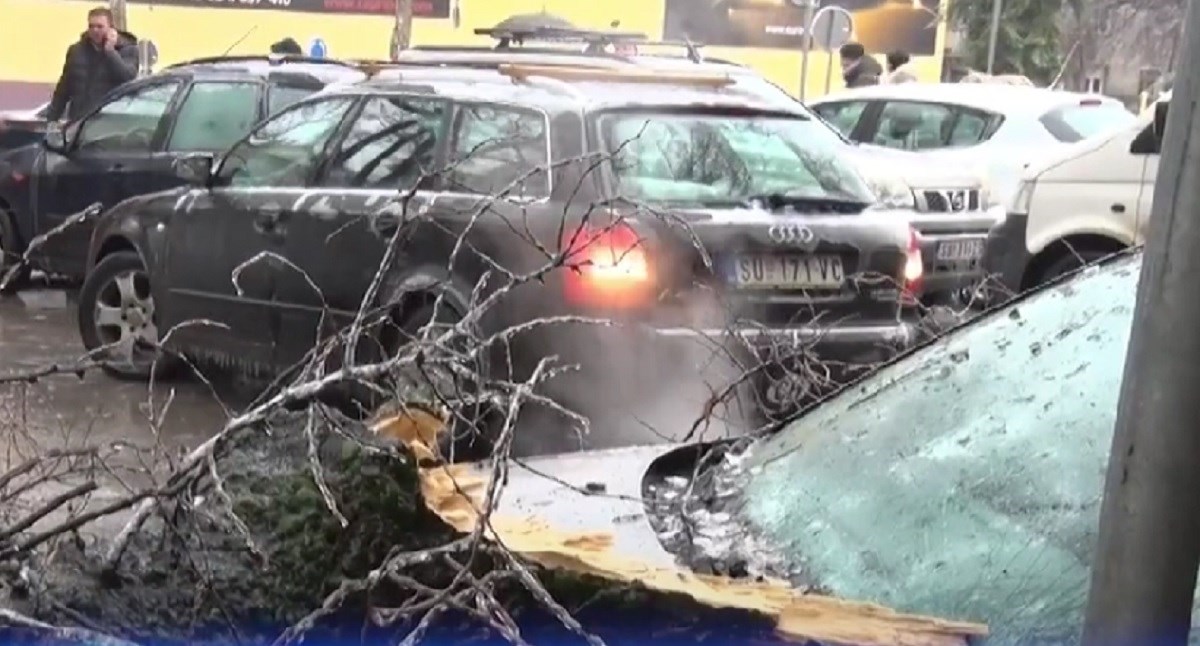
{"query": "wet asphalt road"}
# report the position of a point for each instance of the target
(37, 328)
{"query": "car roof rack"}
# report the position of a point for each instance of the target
(596, 41)
(271, 59)
(586, 73)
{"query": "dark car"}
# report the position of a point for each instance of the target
(632, 179)
(22, 127)
(961, 481)
(127, 145)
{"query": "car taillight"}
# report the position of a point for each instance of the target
(607, 267)
(914, 269)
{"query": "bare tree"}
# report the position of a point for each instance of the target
(435, 380)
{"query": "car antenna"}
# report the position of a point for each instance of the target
(239, 41)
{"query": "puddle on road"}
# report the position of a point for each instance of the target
(38, 328)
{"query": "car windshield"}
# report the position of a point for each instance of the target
(963, 481)
(722, 158)
(1089, 118)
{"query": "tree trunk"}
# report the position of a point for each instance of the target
(402, 29)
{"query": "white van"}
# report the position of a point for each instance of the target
(1081, 204)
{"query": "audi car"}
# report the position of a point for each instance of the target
(630, 223)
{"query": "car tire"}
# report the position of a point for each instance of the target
(1070, 263)
(470, 432)
(116, 310)
(11, 252)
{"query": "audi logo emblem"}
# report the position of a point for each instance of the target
(790, 234)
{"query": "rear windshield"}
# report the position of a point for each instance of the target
(1077, 122)
(707, 158)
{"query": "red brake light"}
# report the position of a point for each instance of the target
(914, 269)
(607, 267)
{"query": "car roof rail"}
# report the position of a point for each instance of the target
(586, 73)
(272, 59)
(596, 41)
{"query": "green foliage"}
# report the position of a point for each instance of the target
(1028, 40)
(309, 553)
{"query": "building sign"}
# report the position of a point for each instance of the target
(421, 8)
(880, 25)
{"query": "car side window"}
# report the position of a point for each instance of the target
(392, 144)
(129, 122)
(281, 96)
(214, 116)
(285, 150)
(922, 126)
(501, 149)
(843, 115)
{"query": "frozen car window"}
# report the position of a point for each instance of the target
(720, 158)
(964, 481)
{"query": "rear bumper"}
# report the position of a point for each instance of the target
(939, 232)
(865, 343)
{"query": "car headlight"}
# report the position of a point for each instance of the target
(1023, 197)
(892, 191)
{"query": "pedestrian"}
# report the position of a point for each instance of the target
(287, 47)
(858, 69)
(103, 59)
(900, 68)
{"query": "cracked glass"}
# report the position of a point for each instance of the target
(963, 481)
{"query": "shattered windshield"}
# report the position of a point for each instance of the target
(716, 159)
(964, 481)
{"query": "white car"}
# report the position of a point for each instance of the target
(997, 128)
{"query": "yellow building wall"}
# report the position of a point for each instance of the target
(36, 33)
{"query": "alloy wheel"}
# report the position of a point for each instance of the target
(123, 315)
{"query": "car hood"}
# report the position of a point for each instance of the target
(917, 169)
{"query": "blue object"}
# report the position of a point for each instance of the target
(317, 48)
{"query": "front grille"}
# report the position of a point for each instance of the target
(951, 200)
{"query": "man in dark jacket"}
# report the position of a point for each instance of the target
(858, 69)
(103, 59)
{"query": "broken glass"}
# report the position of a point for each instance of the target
(963, 481)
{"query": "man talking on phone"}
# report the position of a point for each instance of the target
(103, 59)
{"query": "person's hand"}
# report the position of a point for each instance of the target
(110, 39)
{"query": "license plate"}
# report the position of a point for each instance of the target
(787, 272)
(959, 250)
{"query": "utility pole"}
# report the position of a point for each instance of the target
(401, 28)
(120, 20)
(994, 35)
(1144, 574)
(810, 7)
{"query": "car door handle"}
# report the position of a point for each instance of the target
(1118, 208)
(269, 219)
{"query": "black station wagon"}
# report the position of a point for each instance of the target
(127, 145)
(685, 206)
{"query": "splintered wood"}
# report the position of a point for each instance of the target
(456, 493)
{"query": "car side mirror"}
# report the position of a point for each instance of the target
(1147, 142)
(195, 169)
(1160, 118)
(55, 141)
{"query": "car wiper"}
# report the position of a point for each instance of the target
(778, 201)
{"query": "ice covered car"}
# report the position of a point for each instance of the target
(963, 480)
